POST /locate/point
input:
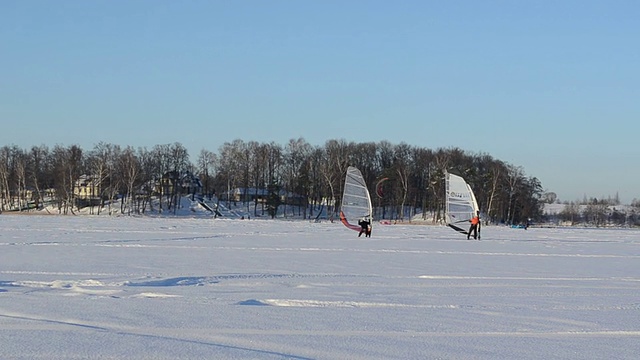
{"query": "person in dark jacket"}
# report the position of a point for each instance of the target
(365, 227)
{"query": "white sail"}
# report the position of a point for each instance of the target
(461, 204)
(356, 201)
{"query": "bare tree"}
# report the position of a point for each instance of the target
(67, 168)
(420, 161)
(570, 213)
(495, 176)
(335, 169)
(317, 186)
(441, 164)
(38, 172)
(385, 157)
(130, 168)
(595, 212)
(207, 164)
(5, 157)
(101, 164)
(230, 165)
(148, 177)
(402, 169)
(260, 156)
(274, 176)
(179, 164)
(296, 160)
(161, 166)
(514, 178)
(20, 167)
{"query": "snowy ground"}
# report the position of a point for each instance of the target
(80, 287)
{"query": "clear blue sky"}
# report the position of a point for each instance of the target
(552, 86)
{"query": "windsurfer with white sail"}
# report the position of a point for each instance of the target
(356, 203)
(461, 206)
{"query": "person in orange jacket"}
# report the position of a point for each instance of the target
(475, 226)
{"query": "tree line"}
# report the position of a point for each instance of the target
(415, 175)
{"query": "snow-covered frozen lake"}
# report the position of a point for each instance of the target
(80, 287)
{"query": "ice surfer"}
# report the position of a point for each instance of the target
(365, 227)
(475, 226)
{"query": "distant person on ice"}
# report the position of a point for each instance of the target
(365, 227)
(475, 226)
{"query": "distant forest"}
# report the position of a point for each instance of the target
(415, 175)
